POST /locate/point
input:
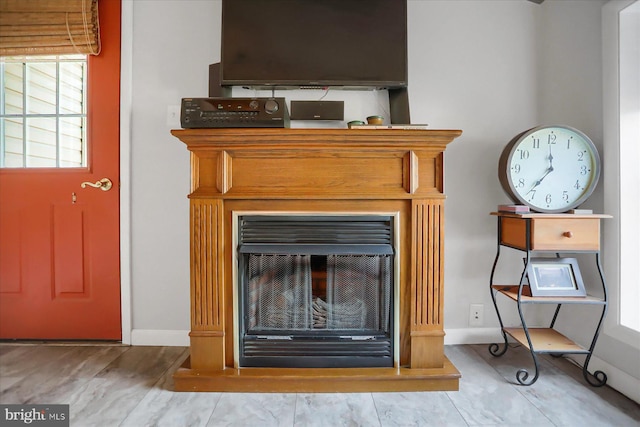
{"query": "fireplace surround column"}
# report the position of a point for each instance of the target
(317, 170)
(427, 278)
(207, 290)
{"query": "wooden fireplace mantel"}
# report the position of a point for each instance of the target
(316, 171)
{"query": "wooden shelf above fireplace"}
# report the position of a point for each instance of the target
(319, 171)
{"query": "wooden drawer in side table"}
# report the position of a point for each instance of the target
(552, 233)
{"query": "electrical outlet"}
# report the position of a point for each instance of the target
(173, 116)
(476, 315)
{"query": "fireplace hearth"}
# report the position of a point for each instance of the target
(315, 291)
(322, 307)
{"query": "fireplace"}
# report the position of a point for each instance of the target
(315, 290)
(300, 301)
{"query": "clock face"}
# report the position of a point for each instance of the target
(550, 168)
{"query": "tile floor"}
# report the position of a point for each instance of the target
(113, 385)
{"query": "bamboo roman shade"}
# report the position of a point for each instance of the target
(49, 27)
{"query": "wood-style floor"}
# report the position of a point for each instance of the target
(114, 385)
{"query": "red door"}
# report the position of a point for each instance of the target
(59, 242)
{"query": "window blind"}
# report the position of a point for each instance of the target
(45, 27)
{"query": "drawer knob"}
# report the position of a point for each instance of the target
(567, 234)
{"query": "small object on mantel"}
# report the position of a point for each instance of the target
(355, 123)
(514, 208)
(375, 120)
(581, 211)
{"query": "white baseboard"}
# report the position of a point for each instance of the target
(168, 338)
(472, 336)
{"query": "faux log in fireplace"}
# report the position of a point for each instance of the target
(291, 291)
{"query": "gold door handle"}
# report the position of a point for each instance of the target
(104, 184)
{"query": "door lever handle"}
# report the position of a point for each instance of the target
(104, 184)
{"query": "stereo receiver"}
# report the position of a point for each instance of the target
(234, 113)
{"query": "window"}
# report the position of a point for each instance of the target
(43, 112)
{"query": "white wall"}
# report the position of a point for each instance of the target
(492, 68)
(173, 43)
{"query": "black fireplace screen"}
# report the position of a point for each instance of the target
(316, 291)
(353, 292)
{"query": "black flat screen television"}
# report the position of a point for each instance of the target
(314, 43)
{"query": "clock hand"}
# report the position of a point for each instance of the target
(538, 182)
(547, 172)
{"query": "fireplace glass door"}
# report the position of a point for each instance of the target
(316, 291)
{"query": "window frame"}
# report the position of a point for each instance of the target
(612, 241)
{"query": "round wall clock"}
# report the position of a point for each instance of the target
(551, 169)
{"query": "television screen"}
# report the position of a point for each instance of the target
(317, 43)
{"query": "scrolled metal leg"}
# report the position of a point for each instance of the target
(495, 350)
(599, 378)
(522, 375)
